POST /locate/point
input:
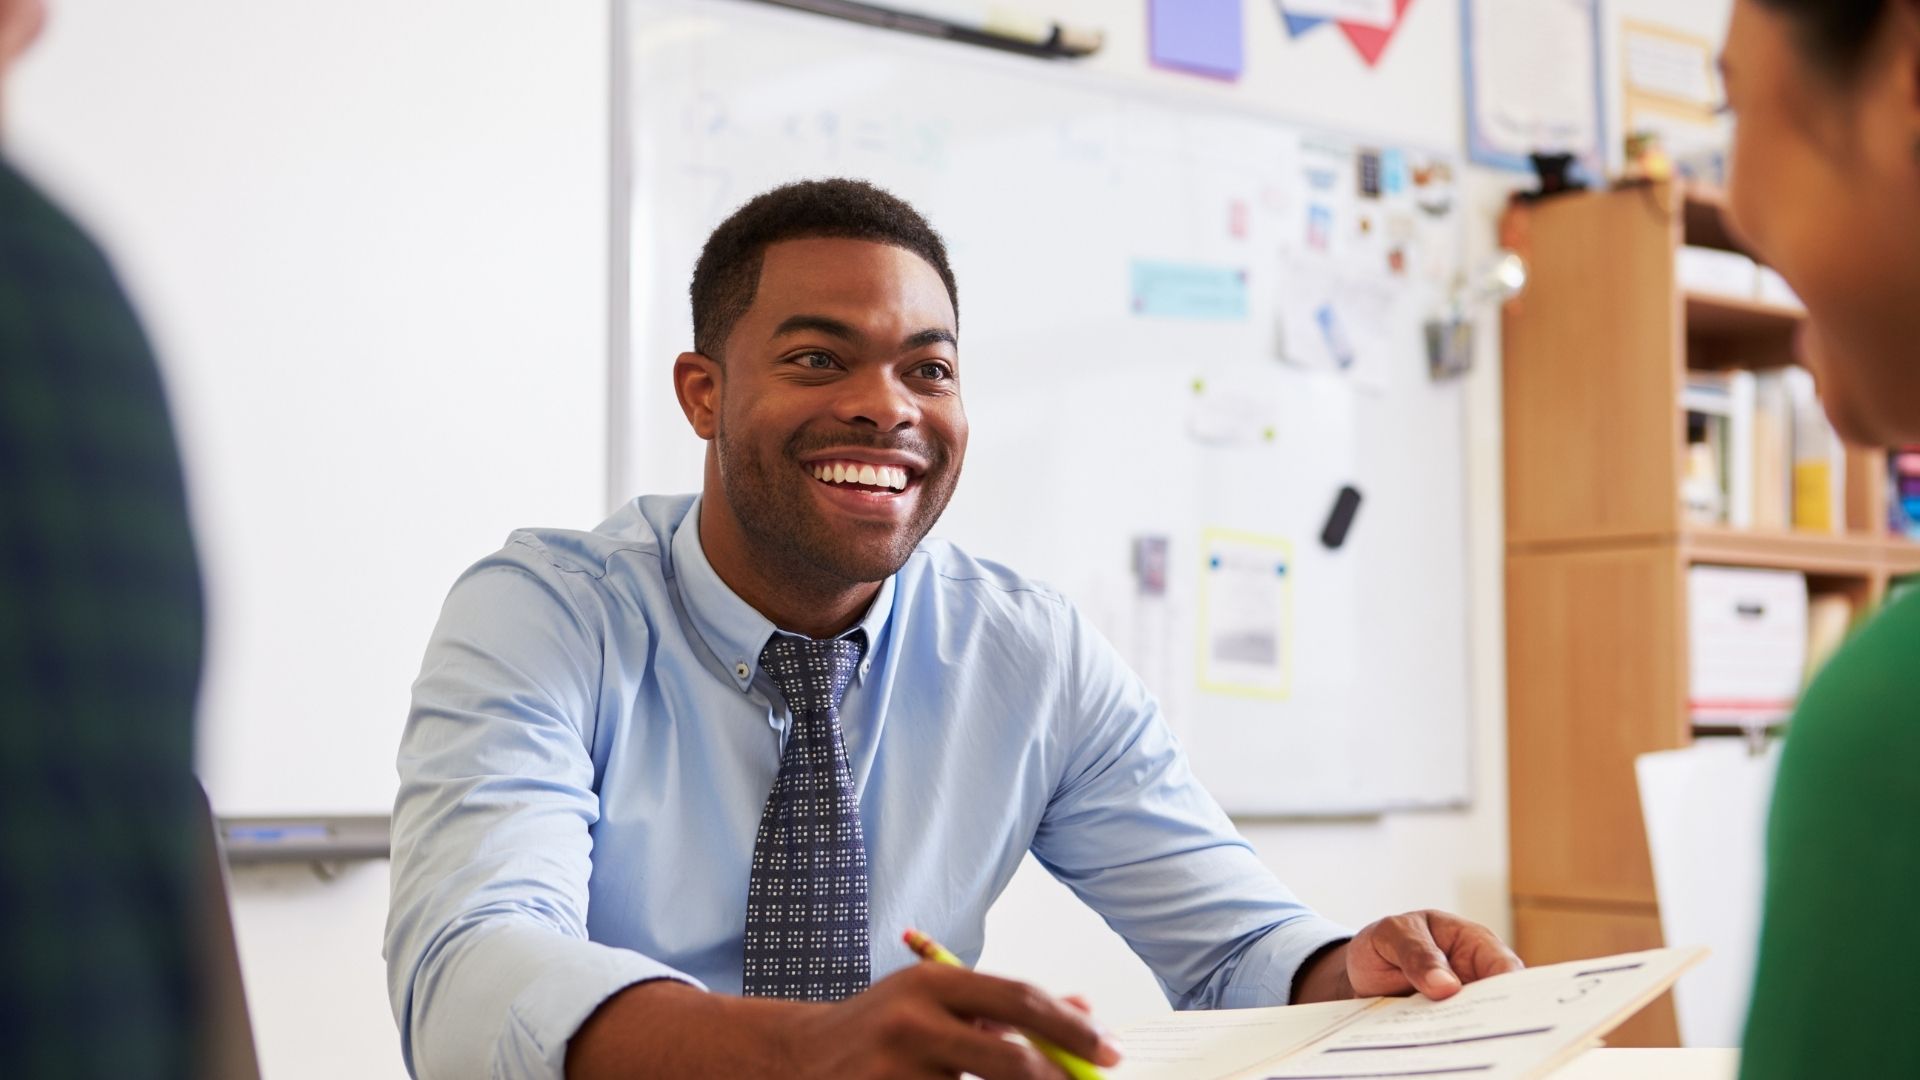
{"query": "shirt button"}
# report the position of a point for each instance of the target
(864, 667)
(741, 670)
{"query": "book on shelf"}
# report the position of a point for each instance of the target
(1761, 454)
(1903, 493)
(1829, 618)
(1718, 489)
(1819, 460)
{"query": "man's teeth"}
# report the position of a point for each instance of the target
(840, 472)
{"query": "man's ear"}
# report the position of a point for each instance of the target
(697, 381)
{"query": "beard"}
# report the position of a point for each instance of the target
(786, 526)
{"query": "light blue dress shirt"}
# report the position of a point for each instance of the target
(591, 744)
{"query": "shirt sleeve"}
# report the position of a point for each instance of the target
(489, 968)
(1137, 838)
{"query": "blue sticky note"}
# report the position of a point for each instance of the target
(1189, 291)
(1201, 36)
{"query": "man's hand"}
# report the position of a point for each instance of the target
(928, 1020)
(1429, 952)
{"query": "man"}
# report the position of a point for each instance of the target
(99, 663)
(671, 790)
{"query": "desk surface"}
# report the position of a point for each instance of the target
(1625, 1064)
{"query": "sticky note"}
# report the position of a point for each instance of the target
(1200, 36)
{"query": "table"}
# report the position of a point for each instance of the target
(1638, 1064)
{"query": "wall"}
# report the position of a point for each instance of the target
(369, 240)
(201, 140)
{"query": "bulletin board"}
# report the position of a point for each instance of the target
(1186, 327)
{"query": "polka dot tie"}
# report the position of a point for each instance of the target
(807, 897)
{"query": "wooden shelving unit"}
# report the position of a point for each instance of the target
(1596, 355)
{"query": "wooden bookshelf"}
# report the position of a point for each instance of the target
(1721, 317)
(1598, 548)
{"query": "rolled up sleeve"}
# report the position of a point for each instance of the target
(1135, 836)
(489, 968)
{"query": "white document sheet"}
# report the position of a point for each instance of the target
(1510, 1027)
(1225, 1042)
(1706, 812)
(1533, 80)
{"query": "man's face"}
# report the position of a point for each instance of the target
(839, 431)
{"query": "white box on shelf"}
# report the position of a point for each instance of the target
(1771, 288)
(1716, 272)
(1747, 637)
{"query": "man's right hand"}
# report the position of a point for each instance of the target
(928, 1020)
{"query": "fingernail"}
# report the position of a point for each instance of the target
(1109, 1049)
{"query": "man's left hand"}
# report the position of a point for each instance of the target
(1426, 952)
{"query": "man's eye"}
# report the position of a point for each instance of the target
(934, 371)
(817, 361)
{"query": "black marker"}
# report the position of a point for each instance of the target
(1341, 519)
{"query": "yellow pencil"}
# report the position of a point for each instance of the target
(1077, 1067)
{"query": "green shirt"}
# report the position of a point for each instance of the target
(1839, 948)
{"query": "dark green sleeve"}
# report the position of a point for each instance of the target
(100, 637)
(1839, 952)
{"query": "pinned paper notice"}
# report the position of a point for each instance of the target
(1189, 291)
(1246, 612)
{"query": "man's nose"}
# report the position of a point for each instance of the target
(879, 398)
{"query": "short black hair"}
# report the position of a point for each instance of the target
(728, 271)
(1834, 34)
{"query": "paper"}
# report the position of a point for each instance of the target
(1665, 64)
(1706, 813)
(1533, 81)
(1224, 1042)
(1510, 1027)
(1371, 41)
(1236, 414)
(1368, 24)
(1189, 291)
(1672, 91)
(1246, 612)
(1201, 36)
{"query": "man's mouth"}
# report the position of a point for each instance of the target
(862, 475)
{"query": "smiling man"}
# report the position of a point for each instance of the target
(672, 789)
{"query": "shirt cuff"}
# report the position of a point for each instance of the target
(1266, 974)
(551, 1009)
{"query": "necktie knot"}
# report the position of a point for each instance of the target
(812, 675)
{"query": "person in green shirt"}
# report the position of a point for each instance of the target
(1826, 189)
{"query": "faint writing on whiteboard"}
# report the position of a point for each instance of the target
(1246, 612)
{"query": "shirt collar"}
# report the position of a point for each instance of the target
(733, 628)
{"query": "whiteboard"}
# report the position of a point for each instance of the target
(1143, 277)
(378, 303)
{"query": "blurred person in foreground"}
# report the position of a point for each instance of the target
(100, 636)
(1826, 189)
